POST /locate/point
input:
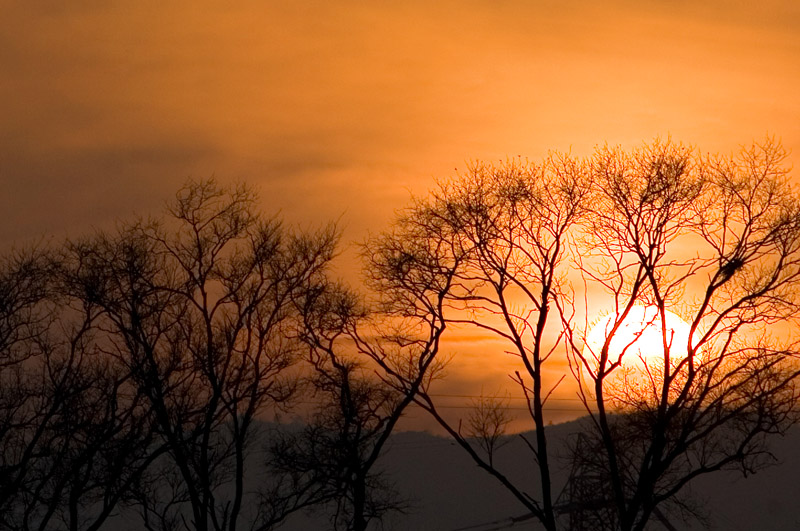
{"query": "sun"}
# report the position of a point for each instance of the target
(638, 342)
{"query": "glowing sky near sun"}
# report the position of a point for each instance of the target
(340, 110)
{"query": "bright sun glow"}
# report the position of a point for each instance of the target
(639, 340)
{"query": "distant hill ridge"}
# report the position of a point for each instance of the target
(448, 492)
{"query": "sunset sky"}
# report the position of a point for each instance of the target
(341, 110)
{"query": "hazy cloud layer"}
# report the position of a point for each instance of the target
(339, 108)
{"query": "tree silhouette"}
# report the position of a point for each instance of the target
(486, 250)
(73, 436)
(714, 239)
(710, 402)
(138, 366)
(198, 310)
(357, 411)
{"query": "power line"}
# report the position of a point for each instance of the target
(510, 408)
(444, 395)
(503, 523)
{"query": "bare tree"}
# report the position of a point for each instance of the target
(487, 424)
(709, 402)
(487, 250)
(23, 319)
(27, 414)
(357, 411)
(197, 310)
(71, 438)
(136, 364)
(714, 240)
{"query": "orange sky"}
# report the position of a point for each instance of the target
(341, 109)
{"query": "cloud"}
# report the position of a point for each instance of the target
(70, 191)
(336, 107)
